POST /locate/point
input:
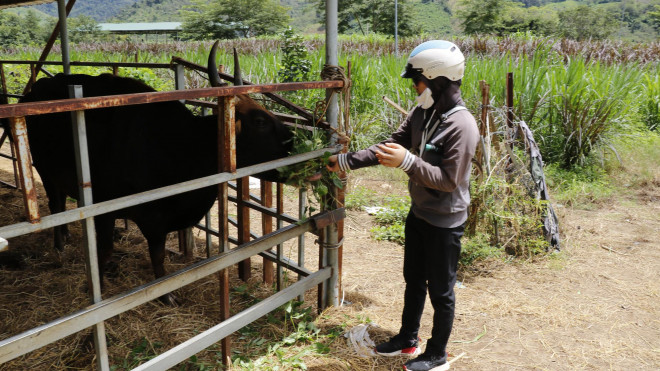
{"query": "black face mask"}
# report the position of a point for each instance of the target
(438, 86)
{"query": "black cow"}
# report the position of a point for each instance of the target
(137, 148)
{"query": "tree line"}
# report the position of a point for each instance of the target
(224, 19)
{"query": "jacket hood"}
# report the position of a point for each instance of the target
(446, 93)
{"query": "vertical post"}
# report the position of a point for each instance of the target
(267, 227)
(19, 133)
(302, 206)
(331, 57)
(89, 234)
(280, 247)
(396, 28)
(509, 105)
(5, 100)
(3, 81)
(330, 235)
(226, 163)
(209, 241)
(64, 37)
(186, 236)
(242, 196)
(179, 78)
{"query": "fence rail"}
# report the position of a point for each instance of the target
(95, 314)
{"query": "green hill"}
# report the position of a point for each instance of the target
(432, 17)
(99, 10)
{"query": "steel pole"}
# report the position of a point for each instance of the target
(396, 28)
(89, 232)
(330, 236)
(64, 37)
(331, 58)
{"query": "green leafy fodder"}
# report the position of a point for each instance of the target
(299, 174)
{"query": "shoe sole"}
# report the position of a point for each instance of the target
(444, 367)
(412, 351)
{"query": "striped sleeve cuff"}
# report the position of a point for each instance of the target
(342, 160)
(407, 162)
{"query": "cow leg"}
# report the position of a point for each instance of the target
(156, 241)
(104, 242)
(57, 204)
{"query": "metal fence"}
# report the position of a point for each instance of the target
(249, 243)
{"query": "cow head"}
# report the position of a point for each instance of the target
(260, 136)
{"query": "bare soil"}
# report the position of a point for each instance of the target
(595, 305)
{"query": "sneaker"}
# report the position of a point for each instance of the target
(398, 345)
(427, 362)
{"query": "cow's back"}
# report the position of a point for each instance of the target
(132, 148)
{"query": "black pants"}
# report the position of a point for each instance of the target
(430, 262)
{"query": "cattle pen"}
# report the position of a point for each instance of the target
(103, 309)
(328, 224)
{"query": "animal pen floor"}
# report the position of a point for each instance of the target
(584, 308)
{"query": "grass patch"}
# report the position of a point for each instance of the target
(476, 248)
(391, 220)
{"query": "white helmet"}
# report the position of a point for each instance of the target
(435, 58)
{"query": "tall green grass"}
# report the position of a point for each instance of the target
(573, 104)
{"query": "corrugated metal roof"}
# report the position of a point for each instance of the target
(140, 27)
(14, 3)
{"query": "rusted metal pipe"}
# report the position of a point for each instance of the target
(19, 132)
(276, 98)
(64, 105)
(267, 227)
(243, 195)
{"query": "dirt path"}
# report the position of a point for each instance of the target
(595, 305)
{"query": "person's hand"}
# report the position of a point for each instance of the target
(391, 154)
(332, 165)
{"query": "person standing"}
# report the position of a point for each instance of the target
(434, 146)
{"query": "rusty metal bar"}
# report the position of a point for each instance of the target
(279, 250)
(19, 132)
(276, 98)
(243, 195)
(64, 105)
(89, 64)
(267, 227)
(227, 163)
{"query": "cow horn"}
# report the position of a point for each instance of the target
(238, 80)
(214, 78)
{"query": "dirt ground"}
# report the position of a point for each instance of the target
(595, 305)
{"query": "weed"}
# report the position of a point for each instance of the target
(302, 339)
(142, 351)
(359, 197)
(476, 248)
(391, 220)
